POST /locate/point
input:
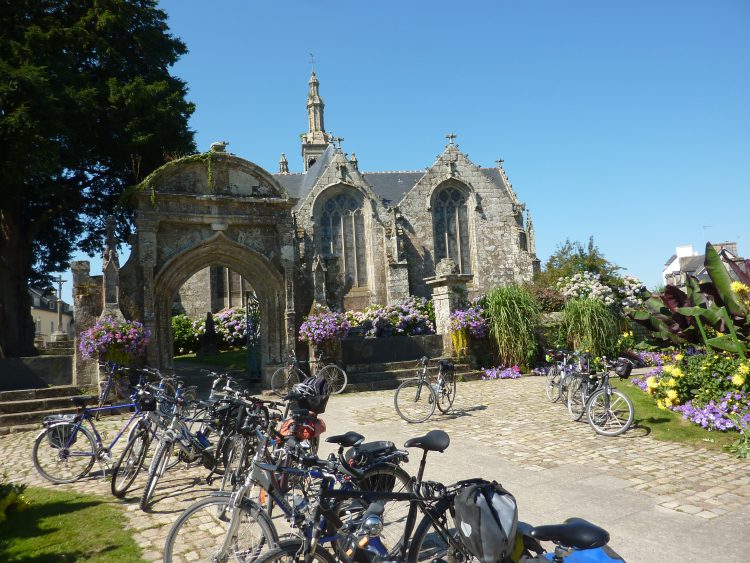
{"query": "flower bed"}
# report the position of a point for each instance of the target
(711, 390)
(412, 316)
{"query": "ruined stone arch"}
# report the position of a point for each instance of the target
(221, 251)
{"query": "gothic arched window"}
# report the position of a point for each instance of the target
(342, 234)
(451, 221)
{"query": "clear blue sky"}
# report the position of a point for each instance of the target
(628, 121)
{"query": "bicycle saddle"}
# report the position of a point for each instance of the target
(83, 399)
(433, 441)
(346, 440)
(575, 532)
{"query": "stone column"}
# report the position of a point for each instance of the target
(87, 302)
(147, 261)
(449, 293)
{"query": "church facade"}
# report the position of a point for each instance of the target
(364, 238)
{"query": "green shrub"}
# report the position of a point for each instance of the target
(590, 325)
(513, 317)
(185, 337)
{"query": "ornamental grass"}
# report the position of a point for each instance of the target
(513, 318)
(590, 325)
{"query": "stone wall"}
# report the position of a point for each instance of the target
(194, 296)
(35, 373)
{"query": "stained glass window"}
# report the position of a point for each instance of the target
(451, 222)
(342, 234)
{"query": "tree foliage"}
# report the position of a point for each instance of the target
(87, 107)
(576, 258)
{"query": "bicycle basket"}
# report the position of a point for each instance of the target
(623, 367)
(58, 435)
(146, 402)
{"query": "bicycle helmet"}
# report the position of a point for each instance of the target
(311, 394)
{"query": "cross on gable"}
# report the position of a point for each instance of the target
(337, 142)
(450, 137)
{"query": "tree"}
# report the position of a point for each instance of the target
(87, 107)
(575, 258)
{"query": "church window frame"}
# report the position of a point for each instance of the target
(452, 225)
(341, 223)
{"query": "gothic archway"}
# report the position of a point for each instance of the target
(221, 251)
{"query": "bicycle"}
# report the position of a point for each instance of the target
(416, 398)
(73, 447)
(558, 373)
(285, 377)
(609, 411)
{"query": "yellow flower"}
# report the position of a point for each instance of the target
(652, 383)
(677, 372)
(738, 380)
(667, 402)
(741, 289)
(668, 369)
(744, 369)
(660, 404)
(669, 382)
(671, 394)
(678, 357)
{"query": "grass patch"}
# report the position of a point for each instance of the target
(62, 526)
(230, 359)
(669, 426)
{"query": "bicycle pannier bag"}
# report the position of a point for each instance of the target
(486, 518)
(623, 367)
(59, 434)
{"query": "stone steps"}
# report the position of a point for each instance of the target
(384, 383)
(26, 408)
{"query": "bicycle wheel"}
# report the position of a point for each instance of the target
(436, 537)
(282, 381)
(130, 462)
(336, 378)
(415, 400)
(446, 393)
(392, 479)
(64, 452)
(552, 386)
(200, 531)
(236, 462)
(293, 550)
(576, 398)
(155, 471)
(610, 414)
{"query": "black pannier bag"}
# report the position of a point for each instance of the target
(623, 367)
(146, 402)
(486, 520)
(312, 394)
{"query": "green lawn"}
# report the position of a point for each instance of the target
(669, 426)
(231, 359)
(63, 526)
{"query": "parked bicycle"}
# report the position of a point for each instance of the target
(609, 411)
(69, 445)
(286, 377)
(558, 373)
(415, 399)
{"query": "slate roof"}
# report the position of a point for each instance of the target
(691, 263)
(390, 186)
(671, 258)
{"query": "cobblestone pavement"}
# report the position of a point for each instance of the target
(660, 501)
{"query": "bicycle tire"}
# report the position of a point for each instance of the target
(447, 393)
(415, 400)
(155, 471)
(575, 399)
(236, 462)
(130, 462)
(292, 551)
(552, 387)
(610, 419)
(429, 543)
(59, 464)
(199, 532)
(387, 477)
(282, 381)
(336, 378)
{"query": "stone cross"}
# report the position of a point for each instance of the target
(59, 334)
(337, 142)
(450, 137)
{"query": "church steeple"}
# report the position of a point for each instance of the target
(315, 107)
(315, 141)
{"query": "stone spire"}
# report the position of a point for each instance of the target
(283, 164)
(530, 233)
(315, 141)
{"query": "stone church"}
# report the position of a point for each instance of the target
(363, 238)
(214, 230)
